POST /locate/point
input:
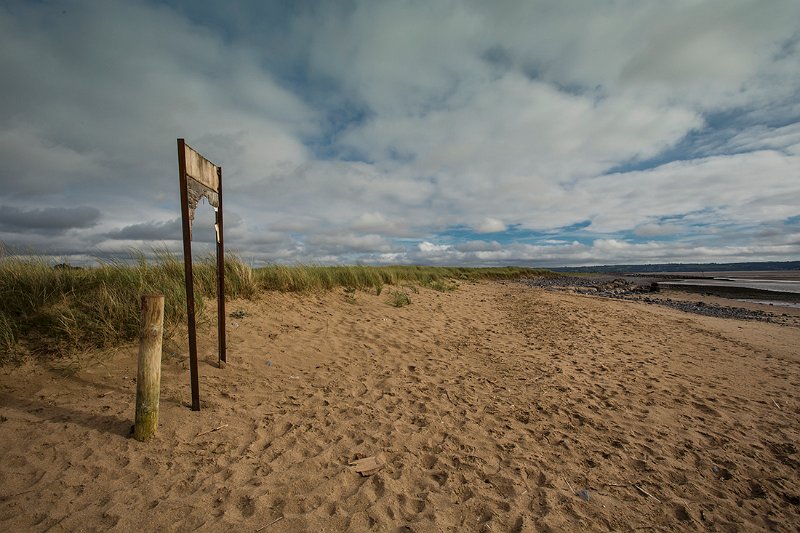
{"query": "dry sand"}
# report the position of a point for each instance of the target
(491, 407)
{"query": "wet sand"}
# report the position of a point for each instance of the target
(490, 407)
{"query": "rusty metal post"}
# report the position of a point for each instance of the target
(220, 277)
(189, 277)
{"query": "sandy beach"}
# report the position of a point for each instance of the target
(495, 407)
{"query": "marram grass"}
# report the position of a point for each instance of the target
(54, 311)
(57, 311)
(303, 278)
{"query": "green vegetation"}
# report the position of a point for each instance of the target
(443, 285)
(49, 310)
(400, 299)
(66, 310)
(304, 278)
(350, 294)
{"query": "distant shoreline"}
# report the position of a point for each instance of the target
(774, 286)
(777, 275)
(725, 291)
(705, 269)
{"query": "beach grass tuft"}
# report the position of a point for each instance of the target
(400, 299)
(443, 285)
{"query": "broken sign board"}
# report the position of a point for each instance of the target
(203, 182)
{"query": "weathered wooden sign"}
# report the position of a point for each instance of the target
(200, 178)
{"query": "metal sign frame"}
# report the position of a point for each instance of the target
(200, 178)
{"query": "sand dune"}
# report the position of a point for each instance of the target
(490, 407)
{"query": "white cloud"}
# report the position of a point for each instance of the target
(748, 188)
(605, 251)
(490, 225)
(478, 246)
(348, 243)
(430, 248)
(658, 230)
(517, 131)
(760, 137)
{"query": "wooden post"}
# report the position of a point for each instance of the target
(148, 378)
(223, 359)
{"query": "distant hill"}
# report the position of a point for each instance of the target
(686, 267)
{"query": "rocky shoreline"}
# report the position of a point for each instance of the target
(643, 291)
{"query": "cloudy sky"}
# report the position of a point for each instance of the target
(432, 131)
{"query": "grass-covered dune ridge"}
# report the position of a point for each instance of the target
(62, 310)
(300, 278)
(48, 310)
